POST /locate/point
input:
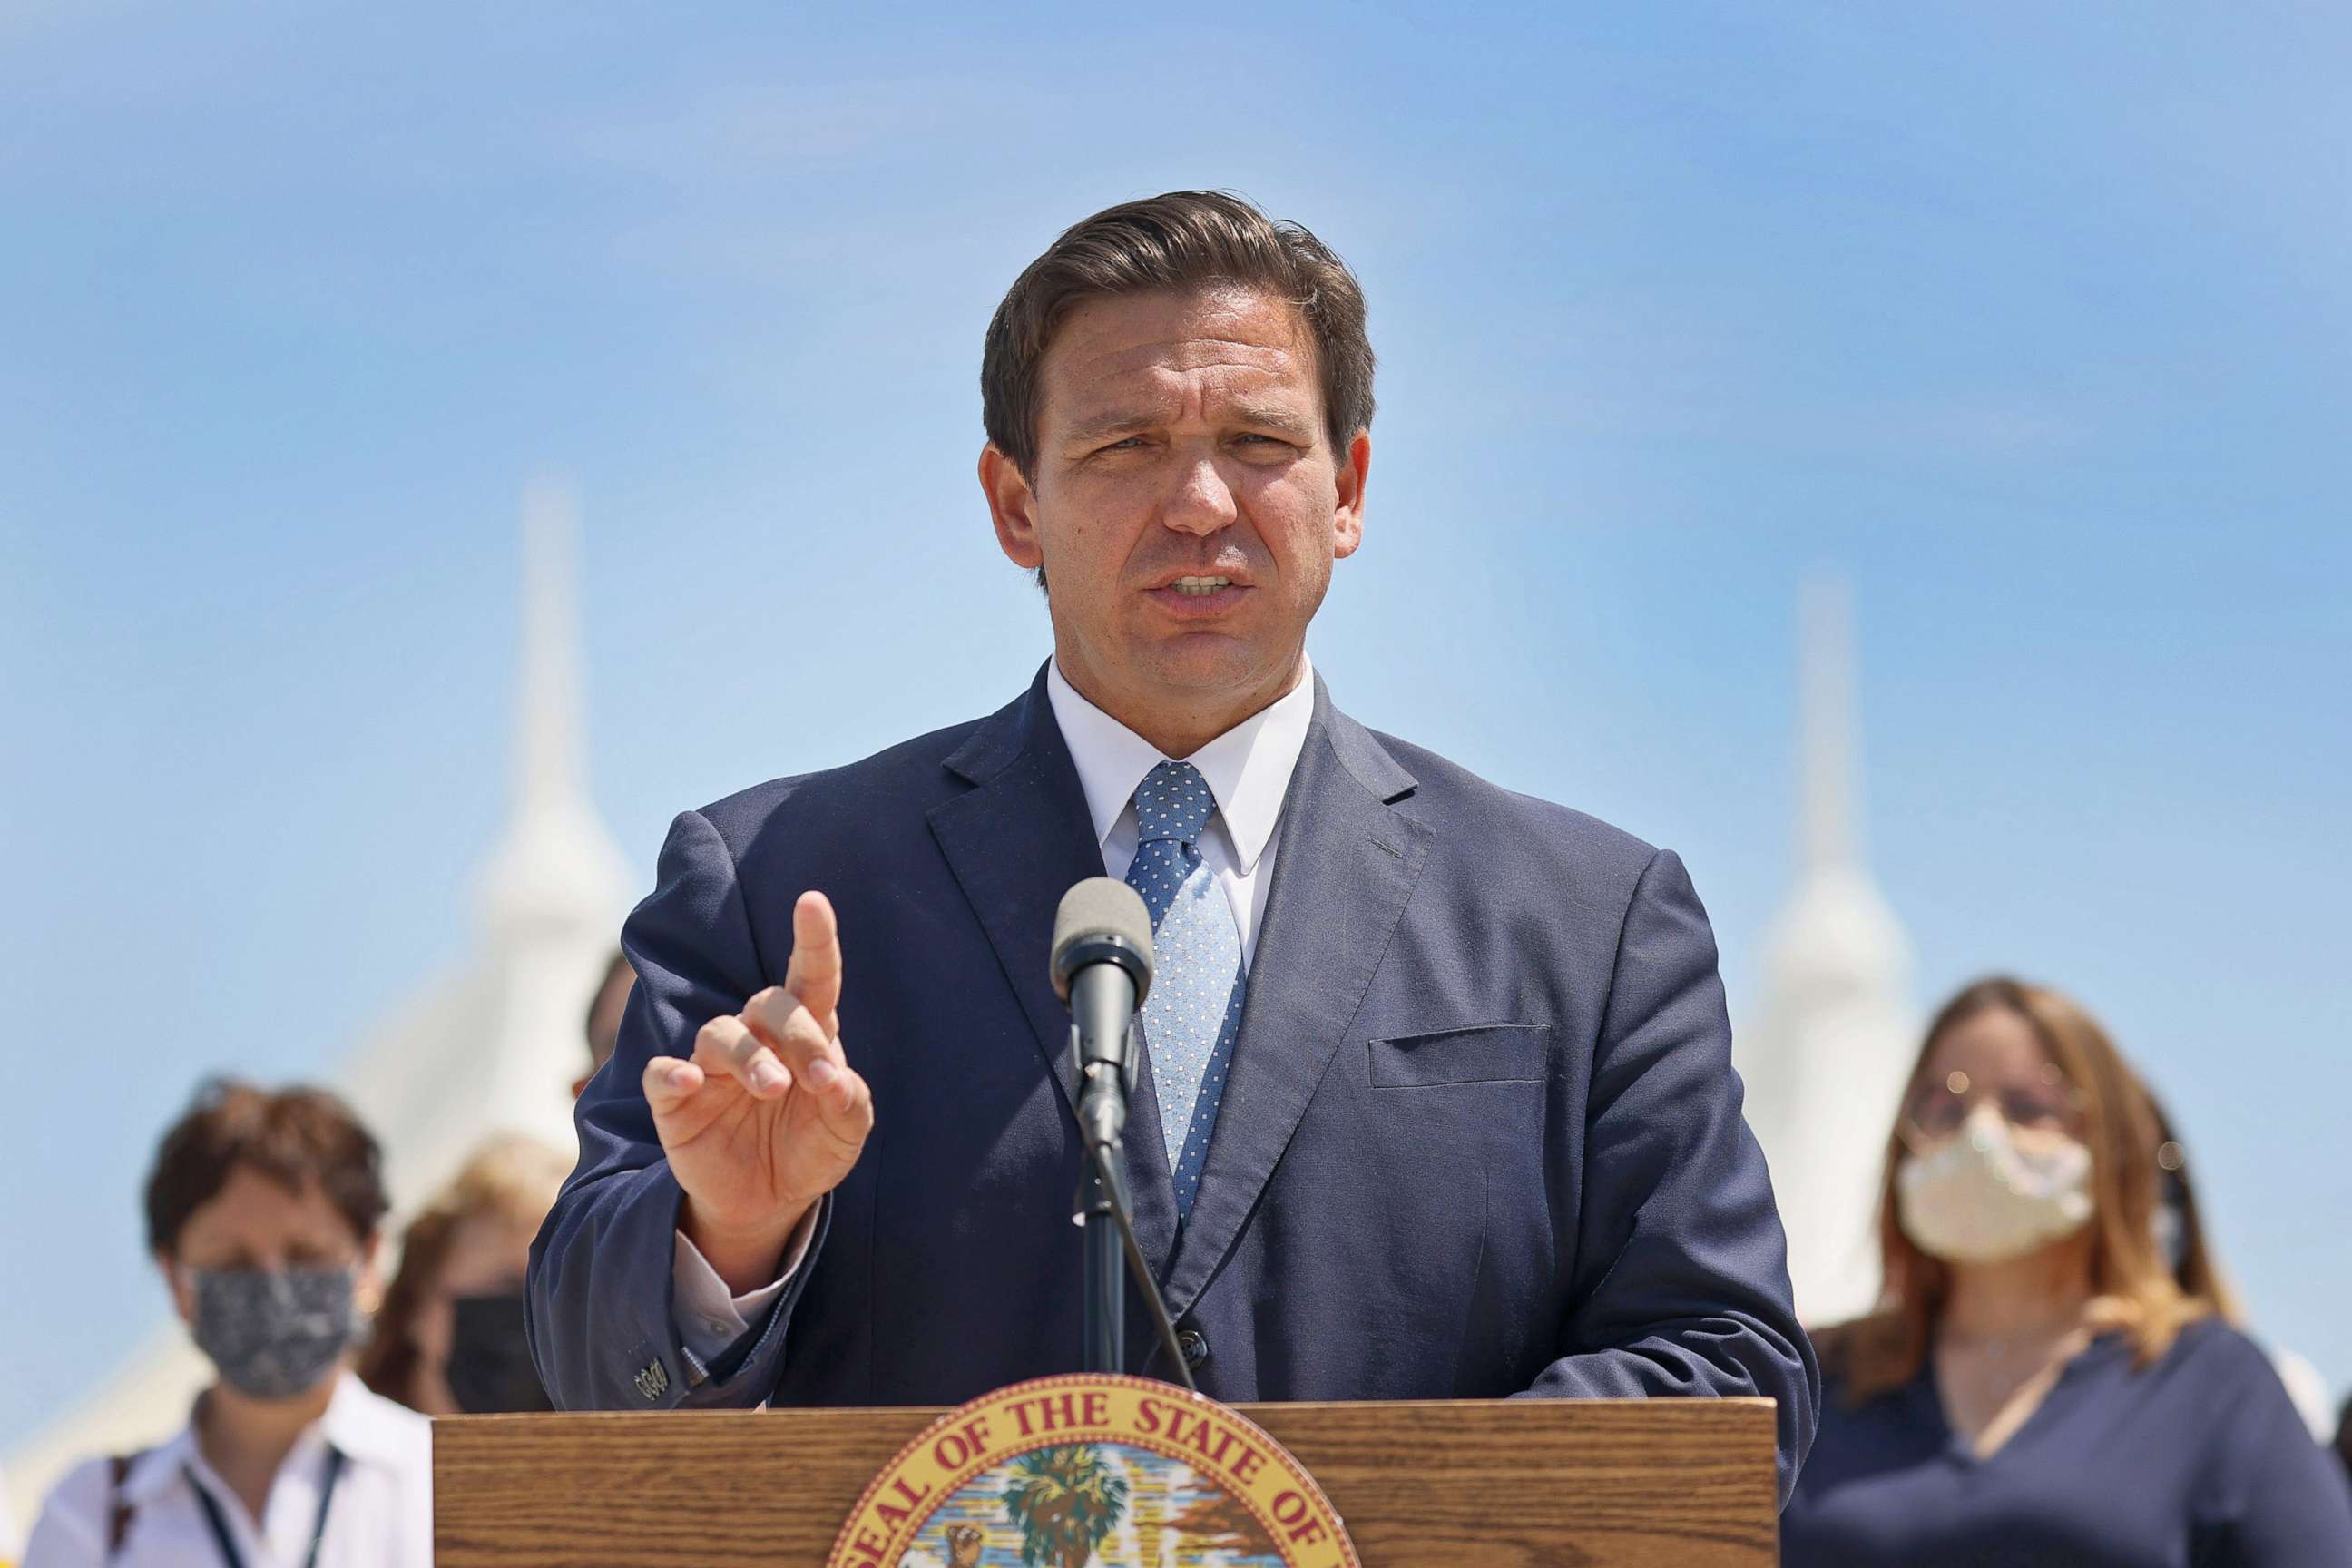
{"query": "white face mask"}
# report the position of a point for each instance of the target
(1977, 1197)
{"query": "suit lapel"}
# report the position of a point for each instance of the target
(1346, 862)
(1150, 1201)
(1016, 841)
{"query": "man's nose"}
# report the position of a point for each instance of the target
(1202, 502)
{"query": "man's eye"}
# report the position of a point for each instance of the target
(1124, 443)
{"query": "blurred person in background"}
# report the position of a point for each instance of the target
(448, 1340)
(262, 1215)
(2037, 1386)
(603, 1023)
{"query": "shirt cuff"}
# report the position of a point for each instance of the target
(709, 1320)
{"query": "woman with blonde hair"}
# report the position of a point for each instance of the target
(2036, 1385)
(448, 1339)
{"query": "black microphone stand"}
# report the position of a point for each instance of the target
(1111, 1229)
(1105, 1328)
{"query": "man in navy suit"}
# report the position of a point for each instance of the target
(1437, 1099)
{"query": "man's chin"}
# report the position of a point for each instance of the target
(1210, 665)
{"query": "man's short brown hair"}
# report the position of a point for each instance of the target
(1185, 239)
(296, 1137)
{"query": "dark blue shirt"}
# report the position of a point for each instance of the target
(2196, 1460)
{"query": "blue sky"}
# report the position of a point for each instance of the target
(2034, 323)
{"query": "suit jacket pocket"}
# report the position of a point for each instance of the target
(1479, 1052)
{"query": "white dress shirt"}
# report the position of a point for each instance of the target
(1248, 770)
(382, 1514)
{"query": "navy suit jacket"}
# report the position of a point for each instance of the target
(1481, 1136)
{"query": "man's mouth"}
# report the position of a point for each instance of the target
(1200, 587)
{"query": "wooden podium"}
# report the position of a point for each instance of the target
(1664, 1483)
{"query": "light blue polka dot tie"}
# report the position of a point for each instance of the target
(1195, 1005)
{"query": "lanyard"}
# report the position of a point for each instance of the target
(227, 1543)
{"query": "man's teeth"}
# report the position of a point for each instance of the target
(1200, 587)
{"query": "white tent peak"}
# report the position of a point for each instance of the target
(498, 1049)
(556, 861)
(1825, 1054)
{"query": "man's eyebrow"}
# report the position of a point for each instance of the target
(1278, 416)
(1275, 416)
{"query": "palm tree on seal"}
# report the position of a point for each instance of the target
(1065, 1500)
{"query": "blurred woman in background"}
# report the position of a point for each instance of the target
(2037, 1386)
(449, 1338)
(262, 1213)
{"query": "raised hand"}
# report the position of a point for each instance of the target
(768, 1116)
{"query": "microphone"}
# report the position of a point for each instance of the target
(1102, 968)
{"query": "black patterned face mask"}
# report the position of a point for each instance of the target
(275, 1333)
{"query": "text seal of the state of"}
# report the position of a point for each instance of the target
(1061, 1472)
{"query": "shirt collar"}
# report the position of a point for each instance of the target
(366, 1426)
(1247, 768)
(356, 1423)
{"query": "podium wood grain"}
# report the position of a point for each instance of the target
(1489, 1484)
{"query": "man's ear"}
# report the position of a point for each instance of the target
(1012, 506)
(1347, 516)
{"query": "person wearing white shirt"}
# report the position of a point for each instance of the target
(263, 1214)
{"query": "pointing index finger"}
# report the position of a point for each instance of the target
(813, 972)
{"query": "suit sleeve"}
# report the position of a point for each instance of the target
(1681, 1281)
(602, 1317)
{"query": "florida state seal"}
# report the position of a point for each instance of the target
(1061, 1472)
